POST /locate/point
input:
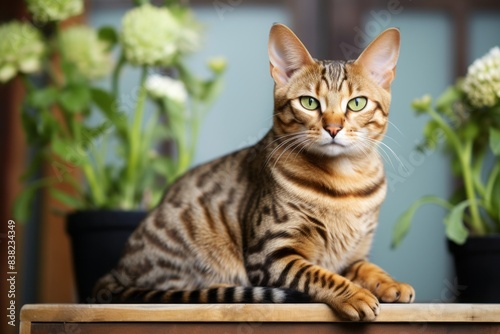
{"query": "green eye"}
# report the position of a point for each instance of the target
(357, 103)
(309, 102)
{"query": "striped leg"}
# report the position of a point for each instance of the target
(349, 300)
(380, 283)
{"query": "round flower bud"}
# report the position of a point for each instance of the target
(54, 10)
(217, 64)
(81, 46)
(482, 83)
(150, 35)
(21, 49)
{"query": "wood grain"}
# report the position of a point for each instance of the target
(459, 313)
(262, 328)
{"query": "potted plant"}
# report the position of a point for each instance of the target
(99, 139)
(465, 122)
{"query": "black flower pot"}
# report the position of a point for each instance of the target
(97, 240)
(477, 266)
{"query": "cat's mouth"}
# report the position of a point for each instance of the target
(333, 142)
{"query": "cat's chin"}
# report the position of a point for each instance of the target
(333, 149)
(340, 148)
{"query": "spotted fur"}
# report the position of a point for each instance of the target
(289, 219)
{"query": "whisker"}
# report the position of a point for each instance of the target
(362, 146)
(385, 155)
(397, 129)
(302, 145)
(296, 136)
(390, 150)
(285, 136)
(394, 140)
(310, 142)
(291, 143)
(294, 146)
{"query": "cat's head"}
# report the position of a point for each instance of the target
(331, 108)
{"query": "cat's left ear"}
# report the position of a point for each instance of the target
(380, 57)
(286, 53)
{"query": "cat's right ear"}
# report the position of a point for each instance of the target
(286, 53)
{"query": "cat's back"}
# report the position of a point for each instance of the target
(194, 233)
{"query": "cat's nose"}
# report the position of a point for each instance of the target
(333, 129)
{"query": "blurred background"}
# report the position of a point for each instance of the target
(440, 38)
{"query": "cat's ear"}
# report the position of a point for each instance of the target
(381, 56)
(286, 53)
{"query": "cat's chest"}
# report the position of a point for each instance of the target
(349, 234)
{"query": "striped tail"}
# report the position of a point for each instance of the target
(109, 290)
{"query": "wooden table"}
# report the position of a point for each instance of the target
(255, 318)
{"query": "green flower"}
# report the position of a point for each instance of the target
(482, 83)
(422, 104)
(21, 49)
(150, 36)
(54, 10)
(81, 46)
(217, 64)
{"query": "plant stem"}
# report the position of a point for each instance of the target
(476, 222)
(490, 199)
(134, 142)
(448, 131)
(464, 155)
(477, 168)
(115, 77)
(195, 131)
(183, 151)
(95, 190)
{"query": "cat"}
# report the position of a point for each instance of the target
(290, 219)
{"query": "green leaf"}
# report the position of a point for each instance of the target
(447, 98)
(23, 204)
(495, 141)
(211, 90)
(46, 127)
(34, 165)
(30, 126)
(495, 200)
(469, 131)
(71, 154)
(492, 193)
(72, 74)
(92, 134)
(454, 222)
(164, 166)
(192, 83)
(109, 35)
(66, 199)
(43, 98)
(107, 104)
(433, 135)
(75, 98)
(104, 100)
(403, 224)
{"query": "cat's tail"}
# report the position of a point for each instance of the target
(110, 290)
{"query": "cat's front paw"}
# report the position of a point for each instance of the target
(394, 292)
(359, 304)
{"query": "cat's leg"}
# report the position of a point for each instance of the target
(291, 271)
(380, 283)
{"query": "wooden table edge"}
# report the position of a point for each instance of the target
(414, 313)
